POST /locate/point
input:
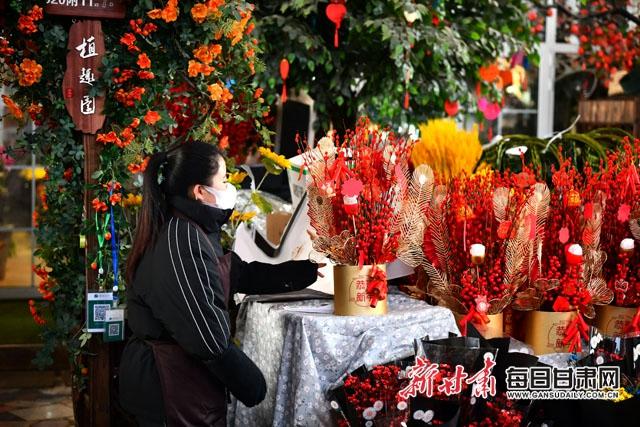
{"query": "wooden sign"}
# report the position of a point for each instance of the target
(86, 8)
(86, 49)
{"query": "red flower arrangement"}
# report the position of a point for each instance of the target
(374, 396)
(619, 186)
(567, 275)
(481, 230)
(364, 208)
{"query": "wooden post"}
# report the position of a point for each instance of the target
(99, 361)
(86, 48)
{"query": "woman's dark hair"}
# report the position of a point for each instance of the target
(177, 169)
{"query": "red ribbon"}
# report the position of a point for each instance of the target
(576, 330)
(377, 286)
(472, 316)
(634, 325)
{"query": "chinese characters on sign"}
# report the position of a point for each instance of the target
(86, 8)
(423, 380)
(360, 296)
(84, 59)
(545, 382)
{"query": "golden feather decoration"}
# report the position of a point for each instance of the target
(500, 203)
(411, 224)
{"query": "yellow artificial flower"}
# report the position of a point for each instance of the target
(242, 217)
(236, 178)
(276, 159)
(132, 200)
(29, 173)
(447, 149)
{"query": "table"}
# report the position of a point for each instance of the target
(303, 350)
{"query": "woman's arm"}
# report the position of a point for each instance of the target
(261, 278)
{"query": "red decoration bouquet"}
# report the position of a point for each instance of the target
(566, 273)
(476, 244)
(370, 397)
(364, 206)
(619, 186)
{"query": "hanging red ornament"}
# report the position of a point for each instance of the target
(336, 13)
(284, 74)
(406, 99)
(451, 107)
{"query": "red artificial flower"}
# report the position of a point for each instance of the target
(152, 117)
(115, 198)
(68, 174)
(146, 75)
(129, 40)
(143, 61)
(98, 205)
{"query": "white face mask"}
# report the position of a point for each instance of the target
(225, 199)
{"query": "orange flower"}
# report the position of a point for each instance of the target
(5, 48)
(226, 95)
(205, 70)
(115, 198)
(169, 13)
(13, 107)
(224, 143)
(36, 13)
(135, 123)
(155, 14)
(29, 73)
(143, 61)
(237, 29)
(215, 91)
(34, 313)
(34, 219)
(207, 53)
(26, 25)
(98, 205)
(258, 93)
(194, 68)
(110, 137)
(151, 118)
(127, 136)
(129, 40)
(199, 12)
(146, 75)
(34, 110)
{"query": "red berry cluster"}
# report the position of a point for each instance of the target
(381, 384)
(469, 218)
(606, 44)
(499, 412)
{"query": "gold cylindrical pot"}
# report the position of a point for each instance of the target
(545, 330)
(493, 329)
(611, 320)
(350, 292)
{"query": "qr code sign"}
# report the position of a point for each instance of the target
(99, 311)
(114, 330)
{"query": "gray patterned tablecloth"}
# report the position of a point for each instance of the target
(303, 354)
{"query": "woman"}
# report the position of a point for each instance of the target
(181, 358)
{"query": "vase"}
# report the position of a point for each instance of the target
(350, 296)
(611, 320)
(493, 329)
(545, 330)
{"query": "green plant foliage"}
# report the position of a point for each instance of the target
(381, 56)
(171, 74)
(543, 154)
